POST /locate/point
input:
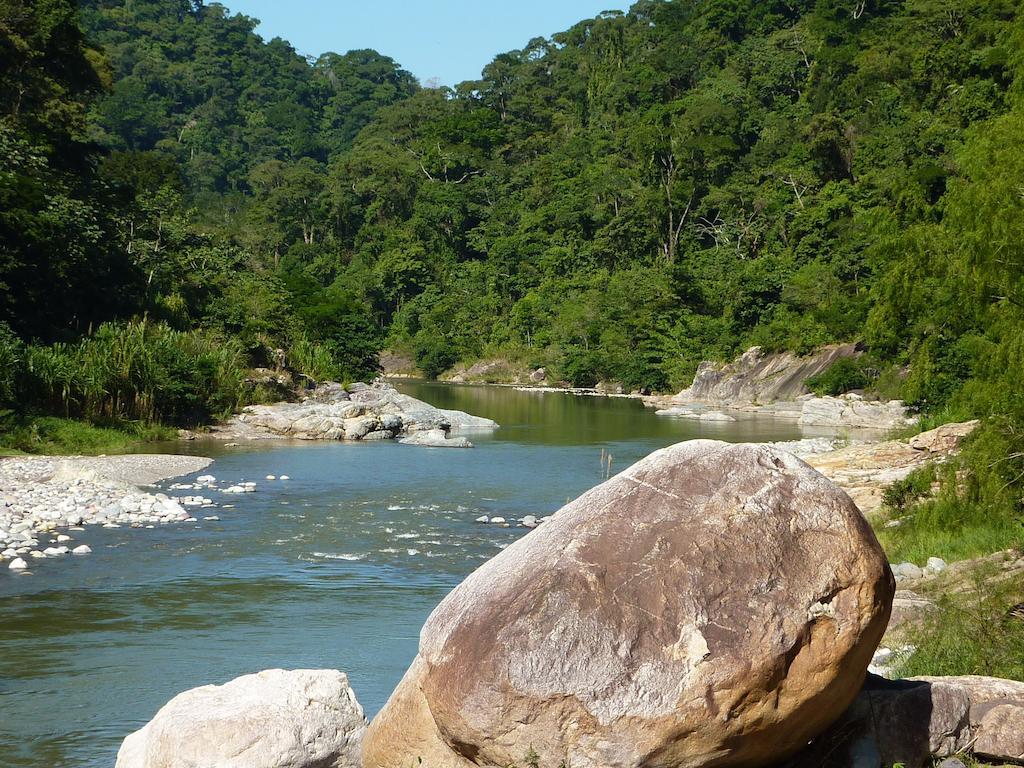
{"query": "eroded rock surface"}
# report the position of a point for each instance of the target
(713, 604)
(776, 385)
(865, 470)
(377, 412)
(305, 718)
(757, 377)
(913, 721)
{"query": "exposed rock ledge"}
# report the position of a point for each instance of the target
(775, 384)
(362, 412)
(865, 470)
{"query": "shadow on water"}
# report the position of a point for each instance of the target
(336, 568)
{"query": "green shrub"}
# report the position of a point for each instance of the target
(315, 360)
(910, 489)
(136, 371)
(971, 633)
(977, 509)
(54, 435)
(12, 352)
(433, 354)
(843, 375)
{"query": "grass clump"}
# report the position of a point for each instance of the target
(975, 511)
(56, 435)
(971, 633)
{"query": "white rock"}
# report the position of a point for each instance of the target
(36, 554)
(206, 479)
(234, 489)
(271, 477)
(935, 566)
(483, 519)
(530, 521)
(497, 520)
(54, 551)
(17, 564)
(716, 416)
(82, 549)
(307, 718)
(63, 537)
(903, 571)
(284, 477)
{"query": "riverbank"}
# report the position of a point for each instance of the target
(772, 385)
(45, 500)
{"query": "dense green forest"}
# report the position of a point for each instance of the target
(181, 201)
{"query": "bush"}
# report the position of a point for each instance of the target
(918, 484)
(971, 633)
(977, 509)
(315, 360)
(844, 375)
(12, 352)
(136, 371)
(433, 354)
(53, 435)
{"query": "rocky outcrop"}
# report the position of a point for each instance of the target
(757, 377)
(306, 718)
(852, 410)
(377, 412)
(775, 384)
(910, 722)
(865, 470)
(713, 604)
(435, 438)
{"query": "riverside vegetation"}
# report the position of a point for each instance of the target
(182, 202)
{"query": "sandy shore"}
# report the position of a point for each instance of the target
(45, 499)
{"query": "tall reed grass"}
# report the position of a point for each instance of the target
(139, 370)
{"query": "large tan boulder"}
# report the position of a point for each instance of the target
(305, 718)
(713, 604)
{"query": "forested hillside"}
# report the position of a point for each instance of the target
(637, 193)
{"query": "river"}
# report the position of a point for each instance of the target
(335, 568)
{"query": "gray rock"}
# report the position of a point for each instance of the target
(905, 571)
(756, 377)
(304, 718)
(851, 411)
(364, 410)
(435, 438)
(935, 566)
(914, 721)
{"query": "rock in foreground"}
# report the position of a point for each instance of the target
(911, 722)
(713, 604)
(306, 718)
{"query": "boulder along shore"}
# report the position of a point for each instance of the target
(359, 412)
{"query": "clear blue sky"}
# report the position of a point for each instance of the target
(451, 40)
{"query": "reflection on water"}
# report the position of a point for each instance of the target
(336, 568)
